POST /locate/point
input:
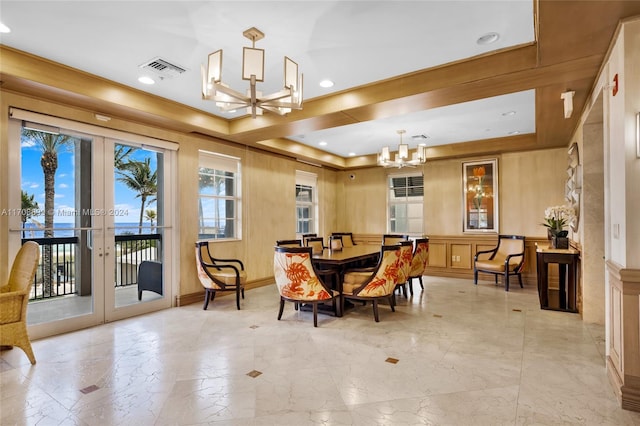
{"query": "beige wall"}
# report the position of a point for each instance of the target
(529, 182)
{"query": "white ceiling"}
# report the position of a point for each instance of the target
(350, 42)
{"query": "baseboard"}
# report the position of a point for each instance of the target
(198, 297)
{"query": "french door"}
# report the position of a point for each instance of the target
(97, 203)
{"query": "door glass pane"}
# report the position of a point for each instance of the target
(137, 219)
(56, 192)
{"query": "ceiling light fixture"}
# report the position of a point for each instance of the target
(4, 29)
(326, 83)
(401, 158)
(226, 99)
(146, 80)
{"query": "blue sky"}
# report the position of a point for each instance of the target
(126, 207)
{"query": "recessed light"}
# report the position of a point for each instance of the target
(515, 132)
(488, 38)
(352, 154)
(146, 80)
(4, 29)
(326, 83)
(508, 113)
(322, 143)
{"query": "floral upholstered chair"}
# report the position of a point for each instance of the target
(507, 258)
(419, 262)
(14, 298)
(406, 255)
(376, 285)
(219, 274)
(298, 282)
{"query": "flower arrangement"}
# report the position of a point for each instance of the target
(478, 173)
(557, 217)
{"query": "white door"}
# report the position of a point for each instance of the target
(96, 205)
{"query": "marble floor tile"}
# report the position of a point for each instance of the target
(454, 353)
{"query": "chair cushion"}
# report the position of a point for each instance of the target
(228, 277)
(496, 265)
(357, 277)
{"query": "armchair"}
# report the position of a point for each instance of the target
(298, 282)
(375, 285)
(506, 259)
(219, 274)
(419, 262)
(14, 298)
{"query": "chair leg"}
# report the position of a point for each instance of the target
(420, 281)
(475, 277)
(206, 299)
(238, 297)
(393, 306)
(375, 310)
(281, 308)
(506, 281)
(139, 295)
(242, 290)
(520, 279)
(315, 314)
(410, 284)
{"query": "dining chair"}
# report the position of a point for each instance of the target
(347, 238)
(406, 254)
(289, 243)
(14, 299)
(316, 244)
(335, 242)
(419, 262)
(298, 281)
(305, 237)
(377, 285)
(219, 274)
(390, 239)
(506, 258)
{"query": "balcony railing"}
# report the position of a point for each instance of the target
(58, 267)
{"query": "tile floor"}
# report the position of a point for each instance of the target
(466, 355)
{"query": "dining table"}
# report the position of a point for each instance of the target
(339, 261)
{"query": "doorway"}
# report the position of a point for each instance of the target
(96, 204)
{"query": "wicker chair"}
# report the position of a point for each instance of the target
(219, 274)
(14, 298)
(419, 262)
(298, 281)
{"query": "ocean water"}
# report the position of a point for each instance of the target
(33, 230)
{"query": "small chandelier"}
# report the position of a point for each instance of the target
(227, 99)
(401, 158)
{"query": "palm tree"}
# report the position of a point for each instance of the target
(50, 144)
(151, 216)
(137, 175)
(121, 156)
(28, 207)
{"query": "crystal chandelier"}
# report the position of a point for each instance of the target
(227, 99)
(401, 158)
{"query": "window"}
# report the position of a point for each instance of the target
(406, 196)
(306, 202)
(219, 199)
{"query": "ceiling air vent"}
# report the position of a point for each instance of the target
(163, 68)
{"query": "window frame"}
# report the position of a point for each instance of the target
(222, 165)
(307, 179)
(406, 200)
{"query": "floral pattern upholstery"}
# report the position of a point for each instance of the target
(406, 256)
(383, 281)
(420, 258)
(296, 278)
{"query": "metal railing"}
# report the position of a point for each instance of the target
(131, 250)
(57, 268)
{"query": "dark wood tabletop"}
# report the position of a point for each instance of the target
(347, 254)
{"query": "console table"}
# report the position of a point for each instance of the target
(567, 260)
